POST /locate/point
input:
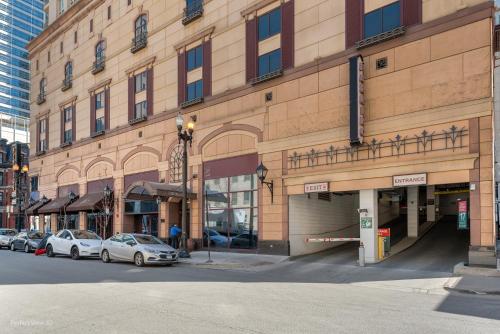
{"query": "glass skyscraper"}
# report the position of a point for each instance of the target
(20, 22)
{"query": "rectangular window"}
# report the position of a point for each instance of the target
(270, 24)
(68, 113)
(129, 2)
(99, 100)
(1, 179)
(61, 47)
(34, 183)
(141, 110)
(109, 12)
(232, 205)
(195, 58)
(195, 90)
(99, 124)
(382, 20)
(270, 62)
(91, 25)
(141, 80)
(68, 136)
(37, 65)
(48, 56)
(76, 37)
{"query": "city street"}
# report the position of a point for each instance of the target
(57, 295)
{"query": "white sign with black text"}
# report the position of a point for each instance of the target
(409, 180)
(316, 187)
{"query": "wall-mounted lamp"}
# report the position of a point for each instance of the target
(261, 174)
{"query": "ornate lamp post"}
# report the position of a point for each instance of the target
(185, 136)
(107, 208)
(20, 180)
(71, 197)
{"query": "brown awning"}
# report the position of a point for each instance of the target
(33, 209)
(146, 190)
(55, 206)
(87, 202)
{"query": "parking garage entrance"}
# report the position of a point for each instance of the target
(407, 213)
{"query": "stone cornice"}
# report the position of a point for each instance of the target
(71, 100)
(148, 62)
(62, 23)
(193, 38)
(99, 85)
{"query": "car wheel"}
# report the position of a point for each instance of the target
(12, 247)
(139, 259)
(50, 251)
(26, 248)
(105, 257)
(75, 254)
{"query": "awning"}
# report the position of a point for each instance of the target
(147, 190)
(87, 202)
(33, 209)
(55, 206)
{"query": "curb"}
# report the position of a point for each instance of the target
(462, 269)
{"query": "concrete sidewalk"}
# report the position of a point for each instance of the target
(481, 285)
(227, 260)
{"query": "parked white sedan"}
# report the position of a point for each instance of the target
(138, 248)
(75, 243)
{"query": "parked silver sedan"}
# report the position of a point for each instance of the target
(6, 235)
(138, 248)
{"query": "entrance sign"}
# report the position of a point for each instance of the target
(316, 187)
(462, 215)
(366, 222)
(409, 180)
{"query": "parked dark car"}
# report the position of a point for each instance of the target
(40, 250)
(244, 240)
(27, 241)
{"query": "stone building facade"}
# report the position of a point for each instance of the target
(343, 95)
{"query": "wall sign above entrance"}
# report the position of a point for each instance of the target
(409, 180)
(316, 187)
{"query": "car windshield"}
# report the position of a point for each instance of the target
(36, 235)
(85, 235)
(147, 240)
(8, 232)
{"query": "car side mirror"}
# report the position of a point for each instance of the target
(131, 243)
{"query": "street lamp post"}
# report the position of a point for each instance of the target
(185, 136)
(107, 209)
(71, 197)
(20, 179)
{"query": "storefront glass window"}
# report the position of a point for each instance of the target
(232, 212)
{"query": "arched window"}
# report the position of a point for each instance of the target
(68, 71)
(141, 26)
(99, 52)
(175, 163)
(43, 85)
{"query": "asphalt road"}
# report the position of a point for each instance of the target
(59, 295)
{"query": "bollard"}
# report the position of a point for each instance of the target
(361, 255)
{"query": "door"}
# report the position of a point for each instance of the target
(114, 246)
(127, 251)
(19, 241)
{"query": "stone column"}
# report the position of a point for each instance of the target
(119, 208)
(431, 208)
(412, 211)
(368, 199)
(164, 219)
(53, 222)
(82, 220)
